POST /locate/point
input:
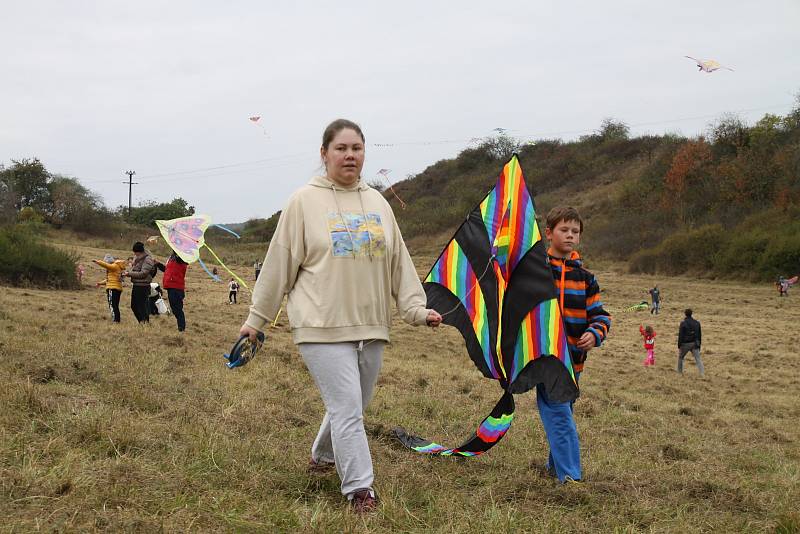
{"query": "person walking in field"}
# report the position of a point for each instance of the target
(649, 336)
(113, 283)
(233, 289)
(141, 274)
(338, 253)
(689, 339)
(587, 325)
(175, 283)
(655, 295)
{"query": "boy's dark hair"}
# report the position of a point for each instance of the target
(562, 214)
(688, 312)
(648, 329)
(138, 247)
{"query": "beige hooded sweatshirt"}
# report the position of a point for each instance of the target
(338, 253)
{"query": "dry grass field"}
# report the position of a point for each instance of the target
(126, 428)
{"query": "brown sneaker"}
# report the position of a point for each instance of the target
(363, 502)
(320, 468)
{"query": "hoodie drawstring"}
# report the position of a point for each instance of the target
(366, 223)
(344, 222)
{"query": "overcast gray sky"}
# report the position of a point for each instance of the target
(96, 88)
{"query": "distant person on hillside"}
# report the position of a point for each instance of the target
(257, 268)
(233, 289)
(784, 284)
(175, 284)
(655, 295)
(141, 274)
(79, 271)
(689, 339)
(649, 336)
(113, 283)
(586, 327)
(338, 253)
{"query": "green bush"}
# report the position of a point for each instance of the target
(691, 251)
(24, 261)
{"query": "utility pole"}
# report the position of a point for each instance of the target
(130, 183)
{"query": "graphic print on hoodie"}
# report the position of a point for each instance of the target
(362, 235)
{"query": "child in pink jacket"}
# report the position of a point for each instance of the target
(649, 336)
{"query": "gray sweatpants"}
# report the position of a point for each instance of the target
(695, 350)
(346, 374)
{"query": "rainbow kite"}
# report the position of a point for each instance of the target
(494, 284)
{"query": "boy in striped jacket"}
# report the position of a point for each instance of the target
(586, 324)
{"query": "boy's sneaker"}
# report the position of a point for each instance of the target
(320, 468)
(569, 480)
(363, 502)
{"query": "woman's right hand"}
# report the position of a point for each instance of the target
(248, 331)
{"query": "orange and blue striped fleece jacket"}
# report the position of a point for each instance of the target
(581, 307)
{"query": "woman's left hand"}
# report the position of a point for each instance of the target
(434, 319)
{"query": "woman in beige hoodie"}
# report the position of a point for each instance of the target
(338, 254)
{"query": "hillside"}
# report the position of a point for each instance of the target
(723, 205)
(666, 204)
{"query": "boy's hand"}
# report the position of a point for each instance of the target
(586, 341)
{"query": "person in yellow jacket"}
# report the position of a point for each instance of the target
(114, 269)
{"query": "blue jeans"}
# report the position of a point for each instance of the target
(175, 297)
(562, 435)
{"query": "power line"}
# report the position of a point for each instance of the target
(198, 173)
(206, 169)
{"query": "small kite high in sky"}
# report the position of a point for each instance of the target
(186, 235)
(708, 65)
(255, 119)
(493, 283)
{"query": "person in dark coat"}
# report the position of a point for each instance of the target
(689, 339)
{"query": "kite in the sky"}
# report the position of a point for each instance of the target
(638, 307)
(385, 174)
(493, 283)
(500, 131)
(186, 235)
(708, 65)
(255, 120)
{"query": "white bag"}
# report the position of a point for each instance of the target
(162, 307)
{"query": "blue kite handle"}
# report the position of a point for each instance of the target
(236, 358)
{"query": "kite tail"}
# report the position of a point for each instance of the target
(491, 430)
(203, 265)
(228, 230)
(226, 268)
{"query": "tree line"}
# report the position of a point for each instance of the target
(31, 193)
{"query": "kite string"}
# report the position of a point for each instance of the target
(400, 200)
(477, 282)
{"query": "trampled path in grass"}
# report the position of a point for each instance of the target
(122, 427)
